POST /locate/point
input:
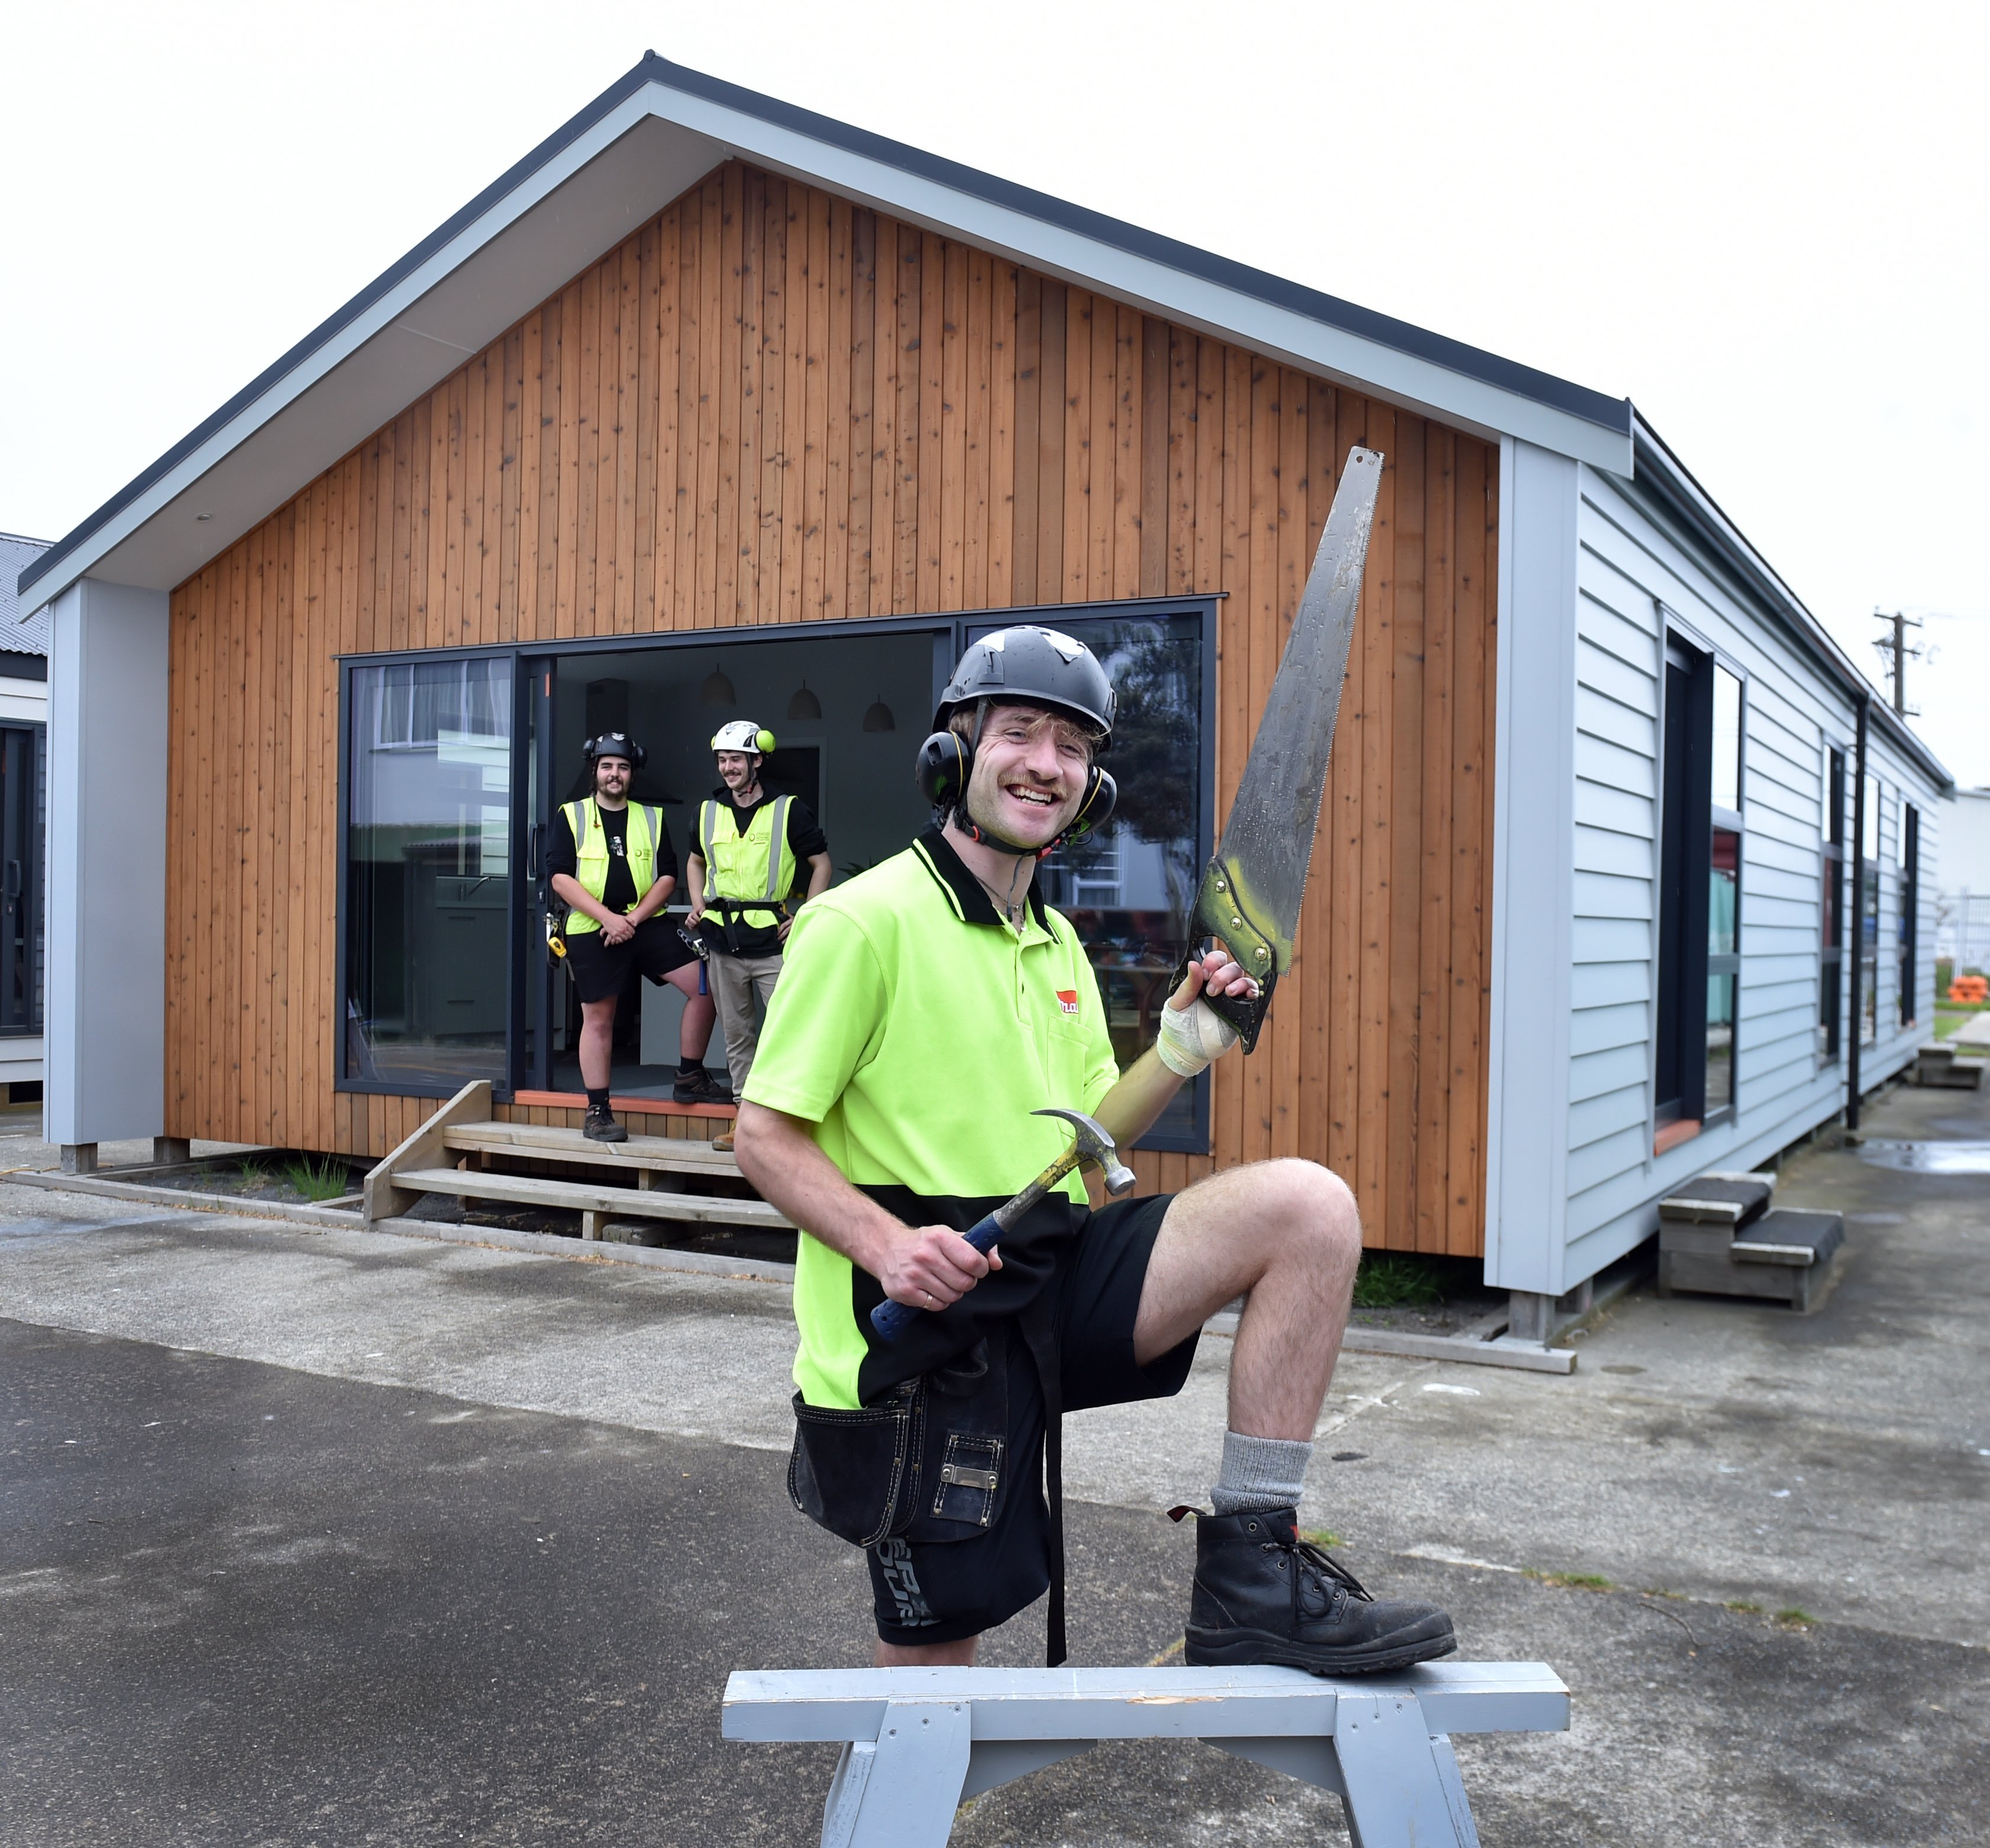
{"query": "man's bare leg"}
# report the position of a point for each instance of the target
(1287, 1235)
(925, 1654)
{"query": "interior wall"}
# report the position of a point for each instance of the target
(769, 404)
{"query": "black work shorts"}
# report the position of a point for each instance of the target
(601, 970)
(940, 1591)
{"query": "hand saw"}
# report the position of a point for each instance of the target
(1252, 889)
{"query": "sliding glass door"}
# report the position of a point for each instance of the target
(428, 871)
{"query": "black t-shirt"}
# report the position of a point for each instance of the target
(806, 840)
(619, 892)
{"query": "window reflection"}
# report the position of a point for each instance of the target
(1724, 892)
(1727, 787)
(428, 886)
(1724, 898)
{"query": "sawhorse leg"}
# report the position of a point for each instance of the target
(1400, 1783)
(901, 1791)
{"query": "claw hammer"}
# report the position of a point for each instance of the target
(1090, 1143)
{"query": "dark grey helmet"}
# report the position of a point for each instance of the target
(1035, 664)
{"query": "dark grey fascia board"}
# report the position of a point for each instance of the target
(1662, 475)
(1611, 417)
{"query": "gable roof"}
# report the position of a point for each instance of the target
(645, 141)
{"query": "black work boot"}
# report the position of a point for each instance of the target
(601, 1126)
(700, 1087)
(1262, 1594)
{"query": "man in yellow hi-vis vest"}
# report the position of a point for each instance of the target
(743, 869)
(612, 863)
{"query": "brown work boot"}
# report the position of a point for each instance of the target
(723, 1143)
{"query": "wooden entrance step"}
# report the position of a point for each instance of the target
(593, 1204)
(646, 1155)
(461, 1151)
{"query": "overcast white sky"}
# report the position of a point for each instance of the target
(1764, 222)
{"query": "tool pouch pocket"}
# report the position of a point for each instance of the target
(857, 1473)
(964, 1453)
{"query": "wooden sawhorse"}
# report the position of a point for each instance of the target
(918, 1741)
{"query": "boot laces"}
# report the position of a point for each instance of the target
(1313, 1564)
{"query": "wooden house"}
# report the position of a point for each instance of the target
(712, 407)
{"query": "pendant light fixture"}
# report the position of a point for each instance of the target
(879, 718)
(804, 705)
(717, 690)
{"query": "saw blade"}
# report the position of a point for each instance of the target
(1252, 890)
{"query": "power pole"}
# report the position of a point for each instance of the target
(1895, 646)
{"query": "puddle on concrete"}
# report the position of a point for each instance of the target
(1928, 1157)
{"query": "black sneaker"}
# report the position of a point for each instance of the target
(601, 1126)
(700, 1087)
(1262, 1594)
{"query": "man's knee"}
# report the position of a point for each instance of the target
(1315, 1207)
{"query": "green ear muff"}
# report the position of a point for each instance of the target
(765, 742)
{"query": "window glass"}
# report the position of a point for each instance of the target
(1720, 1041)
(1727, 788)
(1724, 891)
(1128, 888)
(1870, 825)
(427, 870)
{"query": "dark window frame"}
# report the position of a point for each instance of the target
(1910, 863)
(1831, 909)
(1688, 821)
(1869, 902)
(950, 631)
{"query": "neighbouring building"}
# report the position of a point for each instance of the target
(1962, 920)
(24, 766)
(711, 407)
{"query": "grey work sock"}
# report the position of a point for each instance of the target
(1260, 1472)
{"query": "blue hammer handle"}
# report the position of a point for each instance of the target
(891, 1318)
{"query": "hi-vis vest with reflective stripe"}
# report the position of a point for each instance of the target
(590, 842)
(758, 866)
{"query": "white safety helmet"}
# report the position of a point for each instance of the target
(743, 734)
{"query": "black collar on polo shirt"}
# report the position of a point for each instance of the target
(970, 900)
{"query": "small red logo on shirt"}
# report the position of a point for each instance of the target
(1068, 999)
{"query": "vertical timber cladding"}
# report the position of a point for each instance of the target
(769, 406)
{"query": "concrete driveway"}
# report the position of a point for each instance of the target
(336, 1537)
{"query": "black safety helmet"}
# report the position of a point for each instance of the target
(616, 744)
(1037, 667)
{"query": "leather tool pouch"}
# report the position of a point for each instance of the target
(848, 1470)
(928, 1461)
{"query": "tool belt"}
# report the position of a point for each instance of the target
(729, 913)
(931, 1461)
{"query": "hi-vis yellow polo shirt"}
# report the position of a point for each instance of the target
(915, 1032)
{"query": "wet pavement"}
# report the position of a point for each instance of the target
(336, 1537)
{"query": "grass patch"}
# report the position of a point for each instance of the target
(1395, 1280)
(254, 1175)
(1575, 1581)
(324, 1179)
(1322, 1536)
(1744, 1607)
(1795, 1618)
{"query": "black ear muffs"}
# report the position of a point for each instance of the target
(1102, 796)
(945, 762)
